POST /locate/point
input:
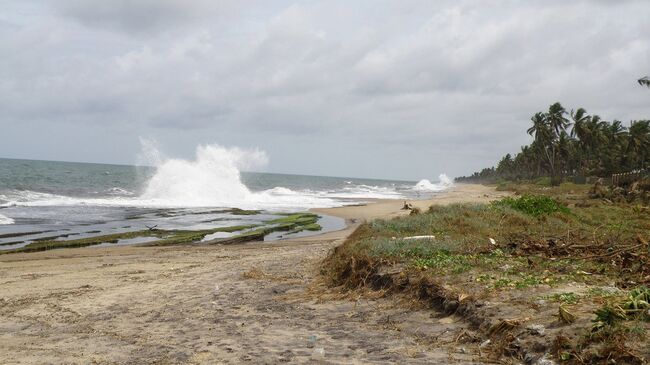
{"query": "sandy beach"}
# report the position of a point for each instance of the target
(254, 303)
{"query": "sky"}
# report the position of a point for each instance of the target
(402, 89)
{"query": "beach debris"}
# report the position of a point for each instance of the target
(536, 329)
(427, 237)
(503, 326)
(151, 228)
(493, 241)
(318, 353)
(407, 206)
(545, 360)
(566, 316)
(484, 344)
(462, 297)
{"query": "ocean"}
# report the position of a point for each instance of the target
(42, 200)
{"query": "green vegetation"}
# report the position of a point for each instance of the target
(565, 298)
(569, 257)
(573, 144)
(237, 211)
(167, 237)
(292, 223)
(535, 205)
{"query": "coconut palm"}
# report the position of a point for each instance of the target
(556, 118)
(582, 143)
(564, 148)
(638, 141)
(539, 130)
(581, 131)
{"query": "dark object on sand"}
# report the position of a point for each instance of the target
(407, 206)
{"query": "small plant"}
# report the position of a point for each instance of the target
(503, 282)
(534, 205)
(565, 298)
(528, 281)
(638, 302)
(609, 315)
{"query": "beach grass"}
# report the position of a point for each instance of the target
(534, 248)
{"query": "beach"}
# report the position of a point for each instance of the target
(255, 303)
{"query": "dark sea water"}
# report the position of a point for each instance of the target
(82, 199)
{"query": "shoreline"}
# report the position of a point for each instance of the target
(389, 208)
(192, 304)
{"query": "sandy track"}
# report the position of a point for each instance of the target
(257, 303)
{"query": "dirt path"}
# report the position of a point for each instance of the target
(257, 303)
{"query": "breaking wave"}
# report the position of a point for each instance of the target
(5, 220)
(213, 179)
(426, 185)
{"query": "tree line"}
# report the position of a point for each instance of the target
(574, 143)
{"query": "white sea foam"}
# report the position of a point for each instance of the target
(425, 185)
(365, 192)
(116, 190)
(212, 179)
(5, 220)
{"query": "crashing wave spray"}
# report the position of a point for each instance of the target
(426, 185)
(5, 220)
(213, 179)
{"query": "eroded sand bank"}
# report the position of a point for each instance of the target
(256, 303)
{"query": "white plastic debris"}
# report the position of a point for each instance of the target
(492, 241)
(484, 343)
(318, 354)
(419, 238)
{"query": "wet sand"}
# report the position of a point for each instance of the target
(254, 303)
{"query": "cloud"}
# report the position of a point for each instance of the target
(436, 76)
(142, 16)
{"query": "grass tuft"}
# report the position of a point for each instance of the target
(533, 205)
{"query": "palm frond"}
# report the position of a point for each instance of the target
(644, 81)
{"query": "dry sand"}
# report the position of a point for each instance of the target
(254, 303)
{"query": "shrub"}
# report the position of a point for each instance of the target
(535, 205)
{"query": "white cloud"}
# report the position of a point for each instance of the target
(417, 74)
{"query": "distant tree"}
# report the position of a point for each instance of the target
(584, 144)
(556, 118)
(638, 142)
(505, 166)
(581, 132)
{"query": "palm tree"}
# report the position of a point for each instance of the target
(591, 146)
(564, 151)
(541, 135)
(539, 130)
(556, 119)
(611, 154)
(638, 142)
(580, 131)
(580, 119)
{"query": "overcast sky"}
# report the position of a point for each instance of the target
(388, 89)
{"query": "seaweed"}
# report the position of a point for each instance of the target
(292, 223)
